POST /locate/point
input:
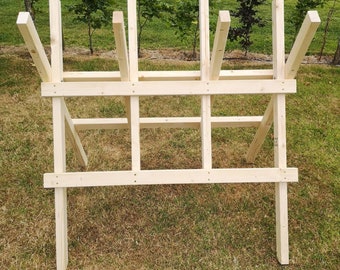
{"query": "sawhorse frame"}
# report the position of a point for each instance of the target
(132, 83)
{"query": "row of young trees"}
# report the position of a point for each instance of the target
(183, 16)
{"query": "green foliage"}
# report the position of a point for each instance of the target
(301, 8)
(146, 12)
(247, 14)
(158, 34)
(94, 13)
(185, 18)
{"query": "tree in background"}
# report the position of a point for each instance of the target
(247, 14)
(336, 59)
(301, 8)
(325, 33)
(29, 7)
(185, 18)
(146, 12)
(94, 13)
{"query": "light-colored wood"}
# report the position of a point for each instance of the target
(221, 35)
(154, 177)
(281, 202)
(164, 88)
(60, 204)
(279, 116)
(58, 135)
(56, 40)
(34, 46)
(205, 99)
(132, 36)
(74, 137)
(134, 99)
(60, 193)
(122, 53)
(135, 133)
(278, 30)
(302, 42)
(261, 133)
(167, 122)
(108, 76)
(121, 46)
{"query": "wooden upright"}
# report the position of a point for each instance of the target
(131, 83)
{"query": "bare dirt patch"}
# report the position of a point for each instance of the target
(173, 55)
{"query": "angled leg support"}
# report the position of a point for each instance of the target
(301, 44)
(72, 134)
(300, 47)
(261, 133)
(34, 46)
(122, 53)
(221, 35)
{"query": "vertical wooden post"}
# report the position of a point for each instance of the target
(281, 203)
(205, 100)
(58, 134)
(60, 193)
(134, 100)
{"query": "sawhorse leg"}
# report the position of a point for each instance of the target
(281, 194)
(60, 193)
(281, 208)
(61, 227)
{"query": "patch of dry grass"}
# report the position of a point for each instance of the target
(167, 227)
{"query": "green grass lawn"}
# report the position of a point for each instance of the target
(168, 227)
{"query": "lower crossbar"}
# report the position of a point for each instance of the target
(154, 177)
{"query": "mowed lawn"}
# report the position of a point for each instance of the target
(168, 227)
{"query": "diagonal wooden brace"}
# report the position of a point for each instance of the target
(33, 43)
(122, 52)
(300, 47)
(74, 138)
(301, 44)
(221, 35)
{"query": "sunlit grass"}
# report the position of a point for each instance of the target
(167, 227)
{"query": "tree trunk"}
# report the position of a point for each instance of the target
(325, 33)
(336, 59)
(30, 8)
(90, 32)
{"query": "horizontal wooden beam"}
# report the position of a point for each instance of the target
(103, 76)
(170, 122)
(34, 46)
(155, 177)
(167, 88)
